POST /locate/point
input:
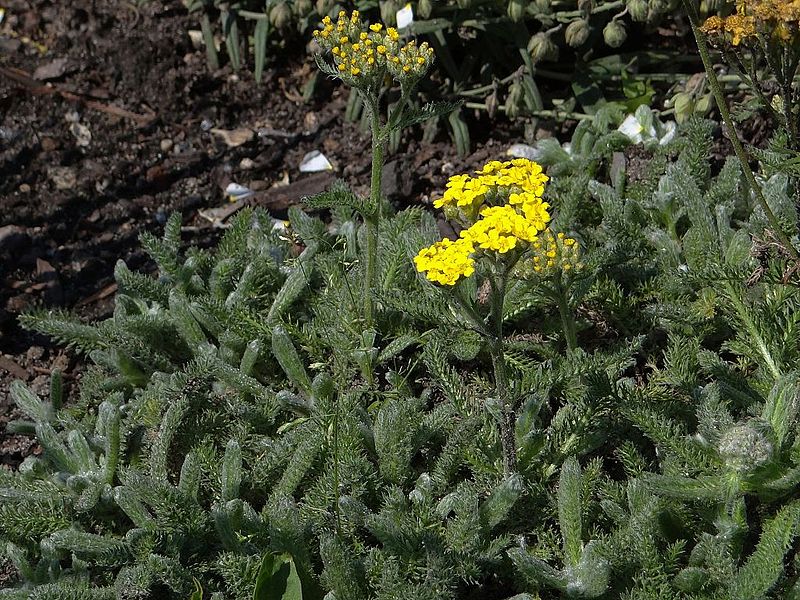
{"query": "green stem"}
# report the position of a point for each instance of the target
(567, 320)
(372, 220)
(738, 148)
(503, 390)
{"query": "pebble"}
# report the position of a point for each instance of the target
(49, 144)
(34, 353)
(64, 178)
(166, 145)
(247, 164)
(25, 188)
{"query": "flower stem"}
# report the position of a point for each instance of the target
(372, 220)
(738, 148)
(567, 320)
(508, 438)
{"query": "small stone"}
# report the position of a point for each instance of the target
(49, 144)
(257, 185)
(247, 164)
(17, 304)
(64, 178)
(34, 353)
(25, 188)
(166, 145)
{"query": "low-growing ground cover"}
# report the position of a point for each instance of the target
(588, 388)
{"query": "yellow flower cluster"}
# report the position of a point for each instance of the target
(739, 27)
(446, 261)
(504, 209)
(776, 18)
(522, 178)
(364, 54)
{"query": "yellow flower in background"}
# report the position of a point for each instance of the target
(350, 37)
(775, 19)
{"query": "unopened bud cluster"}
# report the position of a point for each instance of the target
(364, 54)
(551, 253)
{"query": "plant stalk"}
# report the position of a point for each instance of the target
(567, 322)
(508, 438)
(372, 220)
(738, 148)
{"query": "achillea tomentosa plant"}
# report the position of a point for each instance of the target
(503, 215)
(243, 433)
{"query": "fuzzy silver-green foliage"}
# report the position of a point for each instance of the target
(238, 408)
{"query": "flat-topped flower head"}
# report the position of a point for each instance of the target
(446, 261)
(363, 54)
(502, 211)
(754, 19)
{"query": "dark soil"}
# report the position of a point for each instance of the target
(109, 122)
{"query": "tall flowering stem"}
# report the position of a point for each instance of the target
(740, 28)
(505, 235)
(508, 438)
(363, 57)
(372, 221)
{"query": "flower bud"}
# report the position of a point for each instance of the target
(516, 10)
(280, 16)
(425, 8)
(656, 9)
(464, 3)
(638, 10)
(514, 100)
(577, 33)
(684, 106)
(586, 6)
(302, 8)
(541, 48)
(542, 7)
(704, 104)
(389, 12)
(323, 7)
(745, 448)
(614, 34)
